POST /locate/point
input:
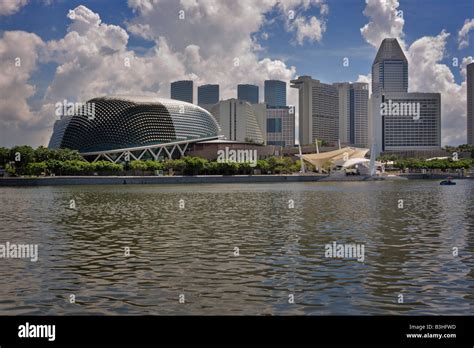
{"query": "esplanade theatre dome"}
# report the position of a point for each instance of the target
(121, 122)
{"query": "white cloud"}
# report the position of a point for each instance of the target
(311, 29)
(9, 7)
(385, 21)
(17, 63)
(142, 6)
(93, 57)
(426, 72)
(463, 35)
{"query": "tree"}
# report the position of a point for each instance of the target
(66, 155)
(42, 154)
(138, 165)
(245, 168)
(106, 166)
(36, 168)
(296, 167)
(21, 155)
(154, 165)
(4, 156)
(194, 165)
(54, 166)
(227, 168)
(76, 167)
(263, 165)
(212, 168)
(177, 165)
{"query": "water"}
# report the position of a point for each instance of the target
(190, 251)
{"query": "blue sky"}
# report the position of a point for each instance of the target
(168, 56)
(322, 60)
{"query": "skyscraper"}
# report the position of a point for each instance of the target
(275, 93)
(248, 93)
(318, 110)
(470, 104)
(390, 68)
(398, 120)
(415, 126)
(359, 114)
(208, 94)
(239, 120)
(344, 92)
(353, 112)
(280, 126)
(182, 90)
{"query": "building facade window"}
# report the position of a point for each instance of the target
(274, 125)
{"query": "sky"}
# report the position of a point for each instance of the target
(56, 50)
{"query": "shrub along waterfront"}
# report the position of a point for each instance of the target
(24, 160)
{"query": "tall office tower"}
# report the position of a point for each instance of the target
(305, 106)
(400, 121)
(248, 93)
(470, 104)
(182, 90)
(344, 91)
(359, 114)
(240, 120)
(353, 113)
(275, 93)
(208, 94)
(280, 126)
(318, 110)
(408, 121)
(390, 68)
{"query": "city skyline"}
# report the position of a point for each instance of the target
(54, 68)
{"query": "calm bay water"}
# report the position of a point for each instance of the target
(190, 251)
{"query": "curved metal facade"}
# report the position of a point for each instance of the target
(127, 122)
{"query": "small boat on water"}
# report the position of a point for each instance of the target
(447, 182)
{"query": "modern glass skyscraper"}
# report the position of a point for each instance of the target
(390, 68)
(182, 90)
(248, 93)
(275, 93)
(353, 112)
(359, 114)
(318, 110)
(398, 120)
(470, 104)
(208, 94)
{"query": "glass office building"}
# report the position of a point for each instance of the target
(182, 90)
(248, 93)
(275, 93)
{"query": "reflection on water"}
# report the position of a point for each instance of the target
(190, 251)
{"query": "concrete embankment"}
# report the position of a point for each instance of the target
(136, 180)
(205, 179)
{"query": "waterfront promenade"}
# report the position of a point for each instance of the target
(200, 179)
